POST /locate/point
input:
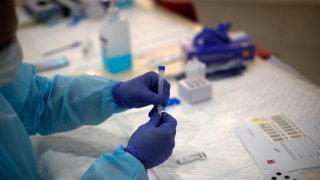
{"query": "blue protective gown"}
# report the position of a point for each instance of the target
(33, 104)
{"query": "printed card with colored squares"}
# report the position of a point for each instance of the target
(278, 142)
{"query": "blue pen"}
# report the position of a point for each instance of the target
(160, 87)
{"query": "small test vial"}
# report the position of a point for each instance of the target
(161, 70)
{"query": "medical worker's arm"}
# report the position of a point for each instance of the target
(63, 103)
(150, 145)
(68, 102)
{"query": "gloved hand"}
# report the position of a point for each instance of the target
(153, 142)
(209, 37)
(140, 91)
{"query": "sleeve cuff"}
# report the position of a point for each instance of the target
(117, 165)
(114, 93)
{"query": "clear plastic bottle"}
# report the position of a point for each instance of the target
(195, 69)
(115, 42)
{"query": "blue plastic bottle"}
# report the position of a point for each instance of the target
(125, 3)
(115, 43)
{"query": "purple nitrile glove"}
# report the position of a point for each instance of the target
(153, 142)
(140, 91)
(209, 37)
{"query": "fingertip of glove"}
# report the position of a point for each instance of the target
(153, 74)
(167, 84)
(167, 118)
(165, 115)
(155, 115)
(155, 119)
(153, 110)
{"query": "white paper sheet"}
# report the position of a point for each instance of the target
(288, 154)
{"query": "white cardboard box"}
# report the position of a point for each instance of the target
(195, 90)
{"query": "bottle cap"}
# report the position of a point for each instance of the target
(161, 68)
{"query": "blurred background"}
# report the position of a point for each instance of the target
(288, 28)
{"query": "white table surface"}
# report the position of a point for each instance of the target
(266, 88)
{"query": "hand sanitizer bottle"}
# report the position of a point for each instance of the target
(115, 42)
